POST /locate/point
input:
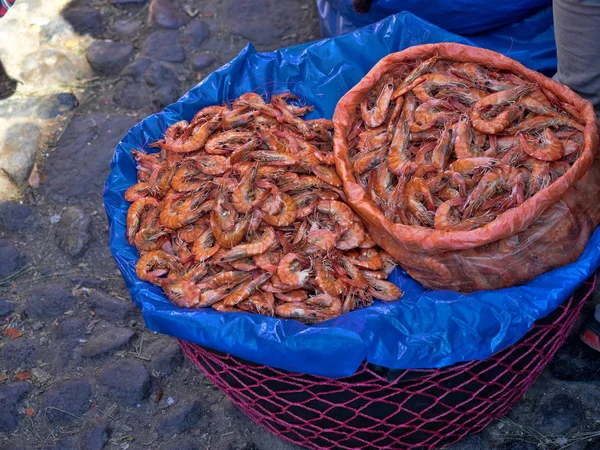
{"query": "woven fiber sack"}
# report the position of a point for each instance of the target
(546, 231)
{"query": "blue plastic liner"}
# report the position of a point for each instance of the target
(521, 29)
(426, 329)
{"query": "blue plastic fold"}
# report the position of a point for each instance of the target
(426, 329)
(521, 29)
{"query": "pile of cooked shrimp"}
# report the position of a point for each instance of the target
(451, 146)
(241, 210)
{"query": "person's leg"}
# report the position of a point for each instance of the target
(577, 33)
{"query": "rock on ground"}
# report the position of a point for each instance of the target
(10, 396)
(67, 399)
(6, 307)
(57, 105)
(105, 342)
(73, 231)
(164, 46)
(109, 307)
(19, 149)
(15, 217)
(166, 355)
(47, 302)
(126, 381)
(180, 418)
(47, 67)
(109, 57)
(12, 259)
(93, 436)
(202, 61)
(85, 21)
(19, 353)
(167, 14)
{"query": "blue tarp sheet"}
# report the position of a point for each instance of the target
(426, 329)
(521, 29)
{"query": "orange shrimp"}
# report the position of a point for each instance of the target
(184, 294)
(352, 238)
(349, 273)
(366, 259)
(398, 152)
(150, 235)
(242, 195)
(229, 239)
(286, 215)
(368, 242)
(198, 135)
(327, 174)
(301, 312)
(263, 303)
(425, 84)
(373, 139)
(289, 271)
(229, 278)
(408, 82)
(281, 101)
(205, 246)
(339, 212)
(246, 290)
(138, 191)
(155, 264)
(188, 178)
(212, 164)
(274, 158)
(298, 295)
(179, 211)
(419, 201)
(365, 161)
(237, 118)
(191, 232)
(306, 203)
(490, 184)
(320, 240)
(324, 278)
(261, 245)
(375, 116)
(383, 290)
(540, 177)
(135, 215)
(448, 214)
(441, 152)
(551, 150)
(468, 166)
(255, 101)
(225, 142)
(268, 261)
(502, 120)
(541, 122)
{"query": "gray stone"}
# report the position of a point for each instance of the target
(10, 396)
(72, 397)
(126, 381)
(109, 57)
(47, 68)
(81, 162)
(56, 31)
(165, 95)
(106, 342)
(37, 326)
(49, 301)
(12, 259)
(166, 355)
(112, 308)
(17, 154)
(127, 28)
(164, 46)
(557, 414)
(160, 75)
(18, 354)
(137, 68)
(85, 21)
(180, 418)
(57, 105)
(198, 31)
(518, 445)
(19, 106)
(93, 436)
(132, 95)
(15, 217)
(168, 14)
(6, 307)
(69, 327)
(202, 61)
(73, 231)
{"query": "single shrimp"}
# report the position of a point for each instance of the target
(150, 235)
(352, 238)
(325, 280)
(244, 265)
(138, 191)
(448, 214)
(542, 122)
(398, 153)
(281, 101)
(274, 158)
(179, 211)
(368, 242)
(441, 180)
(135, 214)
(229, 239)
(212, 164)
(225, 142)
(255, 101)
(301, 313)
(468, 166)
(384, 290)
(376, 115)
(425, 84)
(320, 240)
(268, 261)
(246, 290)
(491, 183)
(551, 150)
(263, 303)
(339, 212)
(189, 178)
(373, 139)
(183, 294)
(243, 193)
(261, 245)
(502, 120)
(289, 270)
(286, 215)
(198, 136)
(327, 174)
(181, 250)
(366, 259)
(419, 201)
(306, 203)
(298, 295)
(205, 246)
(155, 264)
(237, 118)
(366, 161)
(443, 149)
(540, 177)
(415, 74)
(349, 273)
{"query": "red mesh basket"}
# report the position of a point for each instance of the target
(377, 408)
